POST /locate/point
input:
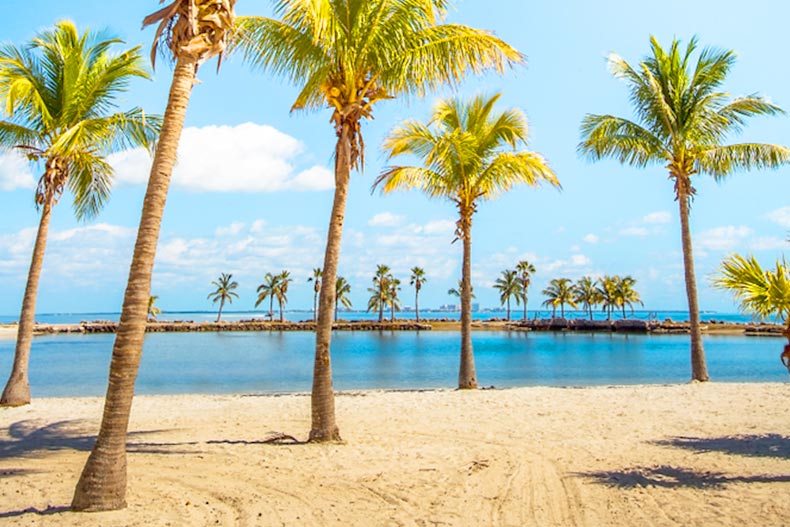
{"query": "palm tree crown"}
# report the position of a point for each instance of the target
(225, 291)
(417, 279)
(508, 286)
(559, 292)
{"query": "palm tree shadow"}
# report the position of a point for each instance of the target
(30, 438)
(32, 510)
(666, 476)
(765, 445)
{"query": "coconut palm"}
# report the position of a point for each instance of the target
(225, 291)
(456, 291)
(381, 283)
(471, 155)
(194, 30)
(417, 279)
(607, 294)
(586, 294)
(392, 300)
(268, 289)
(508, 286)
(559, 292)
(525, 271)
(349, 55)
(626, 295)
(58, 94)
(316, 279)
(342, 290)
(682, 122)
(153, 310)
(281, 291)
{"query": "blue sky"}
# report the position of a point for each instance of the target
(252, 191)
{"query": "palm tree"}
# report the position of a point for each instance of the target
(194, 30)
(268, 289)
(456, 292)
(626, 295)
(153, 311)
(342, 290)
(682, 122)
(763, 293)
(393, 286)
(57, 93)
(559, 292)
(281, 292)
(417, 279)
(349, 55)
(471, 155)
(586, 294)
(525, 272)
(508, 286)
(316, 279)
(225, 291)
(378, 292)
(607, 294)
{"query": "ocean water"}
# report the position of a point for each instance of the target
(274, 362)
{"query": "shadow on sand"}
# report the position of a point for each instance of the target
(675, 477)
(766, 445)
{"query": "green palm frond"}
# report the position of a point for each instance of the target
(764, 293)
(722, 161)
(609, 136)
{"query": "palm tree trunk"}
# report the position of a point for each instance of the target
(17, 389)
(279, 302)
(508, 309)
(322, 399)
(315, 306)
(381, 307)
(562, 310)
(221, 303)
(271, 307)
(699, 369)
(525, 306)
(102, 485)
(467, 378)
(417, 304)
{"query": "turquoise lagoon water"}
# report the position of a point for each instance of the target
(273, 362)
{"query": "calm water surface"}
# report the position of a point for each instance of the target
(260, 362)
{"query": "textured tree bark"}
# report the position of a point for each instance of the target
(324, 427)
(219, 313)
(102, 485)
(699, 369)
(417, 303)
(467, 378)
(17, 389)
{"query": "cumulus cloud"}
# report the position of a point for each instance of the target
(658, 217)
(780, 217)
(634, 231)
(244, 158)
(15, 172)
(591, 238)
(385, 219)
(724, 238)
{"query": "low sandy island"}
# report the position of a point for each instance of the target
(695, 454)
(7, 331)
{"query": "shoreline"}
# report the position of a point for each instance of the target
(667, 327)
(682, 454)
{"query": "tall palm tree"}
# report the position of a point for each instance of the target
(281, 292)
(194, 30)
(153, 310)
(349, 55)
(559, 292)
(456, 291)
(471, 154)
(417, 279)
(342, 290)
(626, 295)
(268, 289)
(508, 286)
(225, 291)
(58, 94)
(586, 294)
(682, 122)
(525, 272)
(607, 294)
(378, 298)
(316, 279)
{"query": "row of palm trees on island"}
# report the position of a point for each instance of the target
(59, 91)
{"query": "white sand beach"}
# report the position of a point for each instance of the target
(8, 331)
(695, 454)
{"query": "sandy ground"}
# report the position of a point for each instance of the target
(690, 455)
(7, 331)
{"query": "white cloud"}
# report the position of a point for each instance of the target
(580, 260)
(591, 238)
(768, 243)
(658, 217)
(634, 231)
(15, 172)
(385, 219)
(257, 226)
(231, 230)
(780, 217)
(243, 158)
(443, 227)
(722, 238)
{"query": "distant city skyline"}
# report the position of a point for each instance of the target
(252, 190)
